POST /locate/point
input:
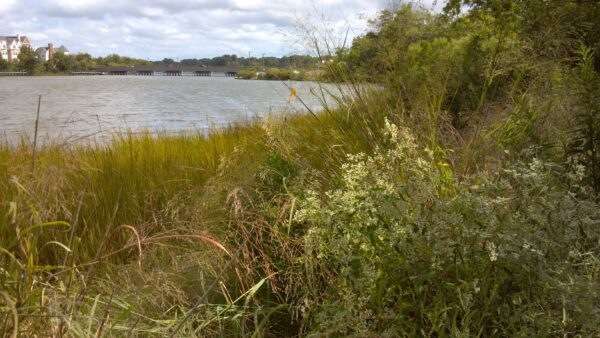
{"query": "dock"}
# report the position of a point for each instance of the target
(164, 71)
(20, 73)
(86, 73)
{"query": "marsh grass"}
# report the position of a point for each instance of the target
(158, 184)
(433, 195)
(146, 222)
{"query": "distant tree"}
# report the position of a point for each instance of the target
(168, 61)
(271, 61)
(112, 60)
(84, 62)
(29, 61)
(61, 63)
(305, 62)
(4, 65)
(191, 62)
(247, 74)
(276, 74)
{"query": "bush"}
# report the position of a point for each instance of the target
(246, 74)
(584, 143)
(276, 74)
(401, 247)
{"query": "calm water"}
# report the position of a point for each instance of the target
(83, 107)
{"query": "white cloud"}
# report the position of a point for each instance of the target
(156, 29)
(7, 7)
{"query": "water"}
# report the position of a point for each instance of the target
(84, 107)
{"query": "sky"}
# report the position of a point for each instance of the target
(180, 29)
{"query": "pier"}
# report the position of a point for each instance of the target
(20, 73)
(86, 73)
(163, 71)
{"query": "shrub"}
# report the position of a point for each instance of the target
(246, 74)
(584, 145)
(276, 74)
(402, 248)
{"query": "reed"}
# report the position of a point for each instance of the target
(436, 195)
(135, 205)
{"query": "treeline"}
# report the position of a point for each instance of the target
(275, 74)
(234, 61)
(29, 61)
(460, 223)
(486, 50)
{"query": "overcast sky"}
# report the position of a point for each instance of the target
(155, 29)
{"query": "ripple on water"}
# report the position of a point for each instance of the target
(82, 105)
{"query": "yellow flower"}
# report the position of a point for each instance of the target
(293, 93)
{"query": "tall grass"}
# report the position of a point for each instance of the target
(438, 196)
(129, 235)
(138, 202)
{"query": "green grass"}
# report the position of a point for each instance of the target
(455, 197)
(161, 185)
(154, 235)
(134, 210)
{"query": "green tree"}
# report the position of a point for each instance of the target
(246, 74)
(29, 61)
(84, 61)
(555, 28)
(61, 63)
(4, 65)
(584, 146)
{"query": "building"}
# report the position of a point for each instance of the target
(10, 46)
(63, 49)
(45, 53)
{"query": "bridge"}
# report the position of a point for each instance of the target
(165, 71)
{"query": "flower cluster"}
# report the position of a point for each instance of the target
(395, 241)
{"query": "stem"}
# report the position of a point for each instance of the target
(37, 120)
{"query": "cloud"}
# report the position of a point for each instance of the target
(7, 7)
(155, 29)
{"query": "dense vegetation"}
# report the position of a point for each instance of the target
(61, 63)
(453, 190)
(278, 74)
(294, 67)
(263, 62)
(30, 62)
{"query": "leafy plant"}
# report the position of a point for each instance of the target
(584, 145)
(511, 255)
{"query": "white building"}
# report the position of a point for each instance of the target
(10, 46)
(45, 53)
(63, 49)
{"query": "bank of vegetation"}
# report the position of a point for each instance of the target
(252, 62)
(291, 66)
(457, 197)
(277, 74)
(61, 63)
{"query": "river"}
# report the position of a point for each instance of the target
(86, 107)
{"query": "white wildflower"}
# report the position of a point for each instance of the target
(529, 247)
(476, 287)
(536, 165)
(491, 247)
(578, 173)
(391, 130)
